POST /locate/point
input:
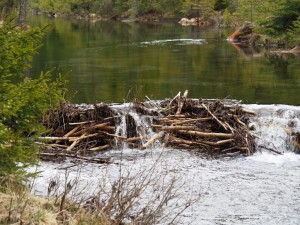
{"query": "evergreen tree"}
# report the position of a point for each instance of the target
(23, 101)
(283, 20)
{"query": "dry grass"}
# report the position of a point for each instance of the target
(24, 208)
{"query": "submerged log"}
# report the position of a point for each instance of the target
(152, 140)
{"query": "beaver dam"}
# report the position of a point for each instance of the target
(211, 128)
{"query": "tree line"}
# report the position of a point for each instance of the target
(277, 18)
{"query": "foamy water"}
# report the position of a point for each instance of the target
(260, 189)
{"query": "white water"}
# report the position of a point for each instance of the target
(260, 189)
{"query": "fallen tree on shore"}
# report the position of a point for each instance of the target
(212, 128)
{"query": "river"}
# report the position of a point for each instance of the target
(110, 61)
(116, 62)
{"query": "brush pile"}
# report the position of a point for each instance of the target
(212, 128)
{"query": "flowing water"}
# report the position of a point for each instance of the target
(260, 189)
(113, 61)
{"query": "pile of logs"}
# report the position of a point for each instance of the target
(212, 128)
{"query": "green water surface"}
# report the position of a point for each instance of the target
(110, 61)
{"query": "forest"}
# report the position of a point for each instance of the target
(276, 18)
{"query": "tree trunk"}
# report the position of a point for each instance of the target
(22, 12)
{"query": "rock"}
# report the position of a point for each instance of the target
(296, 141)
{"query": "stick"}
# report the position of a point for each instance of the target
(191, 121)
(81, 123)
(218, 142)
(99, 148)
(92, 128)
(152, 140)
(84, 136)
(207, 109)
(75, 143)
(178, 128)
(104, 160)
(71, 132)
(57, 146)
(181, 102)
(133, 139)
(270, 149)
(207, 135)
(249, 111)
(54, 138)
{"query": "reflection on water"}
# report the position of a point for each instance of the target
(114, 62)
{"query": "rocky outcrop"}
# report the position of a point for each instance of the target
(198, 21)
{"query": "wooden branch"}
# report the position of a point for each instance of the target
(133, 139)
(181, 102)
(75, 143)
(206, 135)
(100, 148)
(192, 121)
(177, 96)
(97, 126)
(71, 132)
(54, 138)
(108, 128)
(270, 149)
(152, 140)
(239, 121)
(249, 111)
(179, 128)
(176, 116)
(57, 146)
(112, 117)
(82, 123)
(95, 160)
(223, 142)
(112, 135)
(180, 140)
(84, 136)
(207, 109)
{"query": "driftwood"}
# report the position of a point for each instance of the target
(213, 128)
(152, 140)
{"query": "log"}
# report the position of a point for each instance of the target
(180, 141)
(206, 135)
(179, 128)
(176, 116)
(223, 142)
(133, 139)
(81, 123)
(75, 143)
(97, 126)
(248, 111)
(100, 148)
(152, 140)
(192, 121)
(71, 132)
(84, 136)
(95, 160)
